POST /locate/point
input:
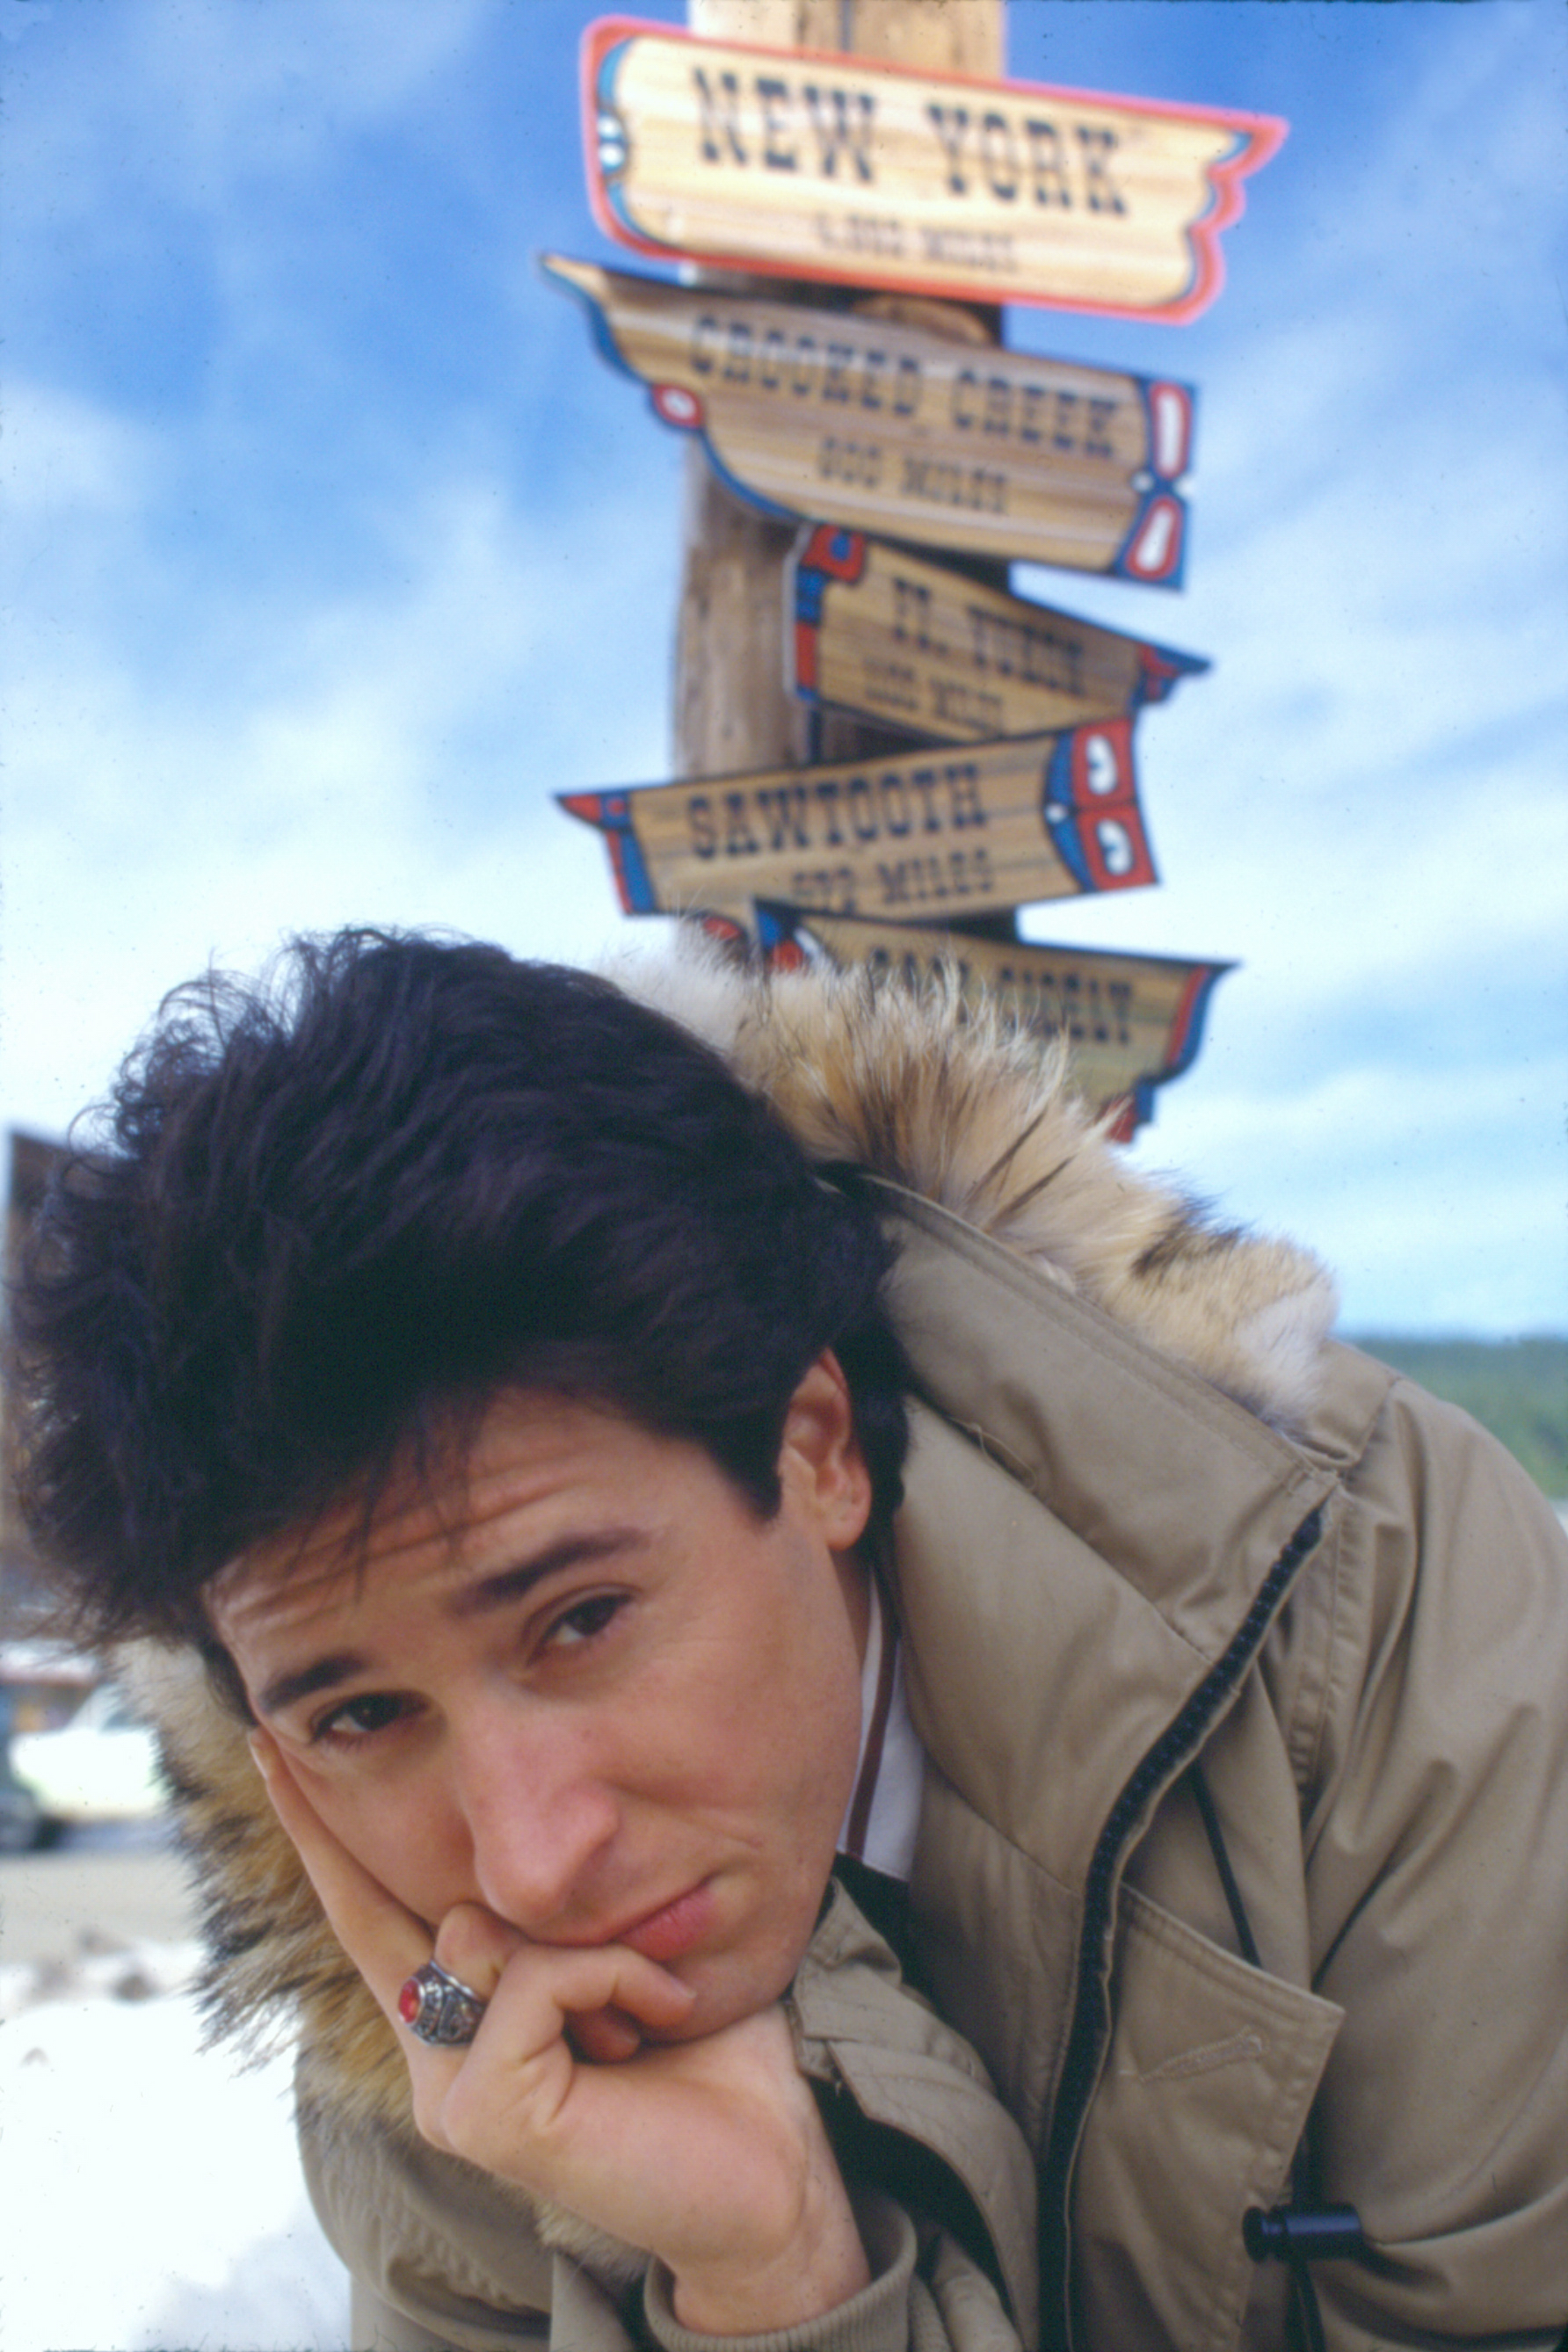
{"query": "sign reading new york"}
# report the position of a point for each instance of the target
(931, 837)
(808, 164)
(848, 418)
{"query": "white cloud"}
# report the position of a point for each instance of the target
(1421, 1187)
(383, 754)
(63, 454)
(230, 88)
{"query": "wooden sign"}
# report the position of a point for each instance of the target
(1134, 1022)
(808, 164)
(841, 418)
(939, 833)
(877, 631)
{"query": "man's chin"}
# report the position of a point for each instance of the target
(727, 1994)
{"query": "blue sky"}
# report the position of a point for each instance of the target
(332, 552)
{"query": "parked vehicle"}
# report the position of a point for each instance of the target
(101, 1766)
(21, 1815)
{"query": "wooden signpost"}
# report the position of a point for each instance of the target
(914, 644)
(815, 165)
(1134, 1022)
(834, 438)
(932, 835)
(848, 418)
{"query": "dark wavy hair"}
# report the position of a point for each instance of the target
(398, 1175)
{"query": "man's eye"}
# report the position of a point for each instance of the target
(584, 1620)
(357, 1718)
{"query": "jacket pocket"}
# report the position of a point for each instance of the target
(1207, 2081)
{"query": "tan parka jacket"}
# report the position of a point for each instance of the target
(1154, 1520)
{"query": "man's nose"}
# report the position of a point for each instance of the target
(539, 1813)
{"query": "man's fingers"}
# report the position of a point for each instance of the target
(553, 2005)
(474, 1945)
(606, 2037)
(385, 1942)
(547, 2007)
(603, 1993)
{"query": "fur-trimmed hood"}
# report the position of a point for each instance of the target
(954, 1106)
(939, 1100)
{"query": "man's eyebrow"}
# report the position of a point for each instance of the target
(286, 1690)
(511, 1583)
(322, 1674)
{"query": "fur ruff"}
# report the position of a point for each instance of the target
(954, 1106)
(941, 1100)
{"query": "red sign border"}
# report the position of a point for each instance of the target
(1265, 135)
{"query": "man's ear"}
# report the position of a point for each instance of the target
(821, 1459)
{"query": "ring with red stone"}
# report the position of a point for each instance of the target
(439, 2008)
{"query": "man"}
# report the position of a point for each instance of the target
(869, 1738)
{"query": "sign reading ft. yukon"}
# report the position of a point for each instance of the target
(916, 645)
(1132, 1023)
(933, 837)
(847, 419)
(813, 165)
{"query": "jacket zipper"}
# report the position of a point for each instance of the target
(1086, 2037)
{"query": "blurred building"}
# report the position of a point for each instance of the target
(31, 1160)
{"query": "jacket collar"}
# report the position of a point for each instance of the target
(1087, 1533)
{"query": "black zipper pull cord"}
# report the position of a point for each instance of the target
(1233, 1904)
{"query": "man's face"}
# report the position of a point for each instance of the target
(576, 1680)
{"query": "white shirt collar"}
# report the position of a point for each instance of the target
(882, 1819)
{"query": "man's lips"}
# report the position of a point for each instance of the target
(664, 1934)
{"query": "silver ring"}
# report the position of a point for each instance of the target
(438, 2008)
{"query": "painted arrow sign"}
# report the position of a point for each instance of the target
(844, 418)
(1036, 816)
(807, 164)
(877, 631)
(1132, 1022)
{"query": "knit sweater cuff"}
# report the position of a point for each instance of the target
(875, 2320)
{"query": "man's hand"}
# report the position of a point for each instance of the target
(710, 2153)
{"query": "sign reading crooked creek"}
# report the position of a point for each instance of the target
(1132, 1022)
(932, 837)
(877, 631)
(842, 417)
(810, 164)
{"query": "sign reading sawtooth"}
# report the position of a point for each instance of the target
(970, 830)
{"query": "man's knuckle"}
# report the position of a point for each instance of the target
(429, 2116)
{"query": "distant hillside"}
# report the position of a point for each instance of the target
(1516, 1388)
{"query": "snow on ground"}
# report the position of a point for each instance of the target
(151, 2191)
